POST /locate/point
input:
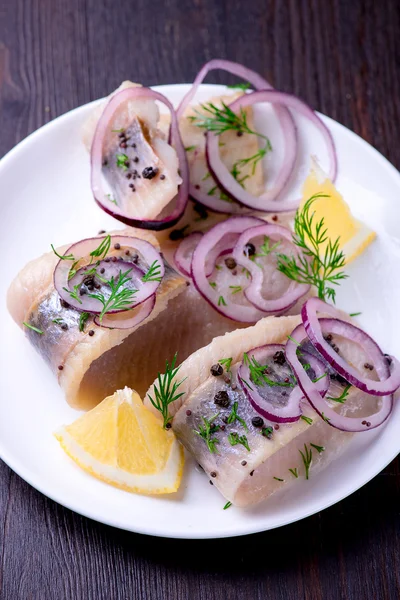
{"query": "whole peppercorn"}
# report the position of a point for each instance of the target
(221, 398)
(216, 370)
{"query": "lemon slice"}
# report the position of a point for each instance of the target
(124, 444)
(354, 235)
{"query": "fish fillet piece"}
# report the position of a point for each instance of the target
(247, 475)
(140, 168)
(33, 299)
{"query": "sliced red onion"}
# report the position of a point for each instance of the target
(351, 424)
(184, 252)
(253, 291)
(237, 312)
(265, 202)
(130, 318)
(146, 253)
(114, 103)
(388, 382)
(290, 411)
(285, 119)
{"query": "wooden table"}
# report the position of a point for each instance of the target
(342, 57)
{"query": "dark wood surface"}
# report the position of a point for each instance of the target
(341, 56)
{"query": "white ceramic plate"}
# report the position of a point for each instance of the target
(45, 197)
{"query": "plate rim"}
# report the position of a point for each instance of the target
(18, 467)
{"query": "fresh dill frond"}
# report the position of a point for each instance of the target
(234, 438)
(227, 505)
(235, 289)
(294, 472)
(356, 314)
(111, 199)
(319, 449)
(226, 362)
(233, 417)
(74, 292)
(307, 459)
(121, 160)
(154, 272)
(83, 317)
(165, 390)
(62, 256)
(207, 431)
(35, 329)
(58, 321)
(103, 248)
(120, 297)
(258, 375)
(279, 479)
(308, 420)
(221, 301)
(321, 269)
(239, 86)
(343, 396)
(190, 148)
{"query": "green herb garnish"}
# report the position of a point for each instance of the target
(206, 432)
(233, 417)
(319, 449)
(120, 298)
(227, 505)
(62, 256)
(226, 362)
(267, 431)
(213, 284)
(239, 86)
(307, 459)
(294, 472)
(154, 272)
(313, 267)
(278, 479)
(221, 119)
(235, 289)
(58, 321)
(258, 375)
(190, 148)
(165, 390)
(221, 301)
(234, 438)
(121, 160)
(355, 314)
(83, 317)
(33, 328)
(307, 419)
(103, 248)
(325, 418)
(111, 199)
(343, 396)
(74, 293)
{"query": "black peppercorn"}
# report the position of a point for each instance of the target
(257, 422)
(216, 370)
(149, 172)
(221, 398)
(279, 357)
(230, 262)
(249, 249)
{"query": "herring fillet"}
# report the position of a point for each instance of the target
(247, 477)
(140, 118)
(33, 299)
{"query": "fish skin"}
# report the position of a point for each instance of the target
(269, 457)
(33, 299)
(141, 117)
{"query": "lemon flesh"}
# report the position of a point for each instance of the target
(124, 444)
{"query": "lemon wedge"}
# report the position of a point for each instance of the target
(124, 444)
(354, 235)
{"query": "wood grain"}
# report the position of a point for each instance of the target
(342, 57)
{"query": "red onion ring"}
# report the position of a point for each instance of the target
(225, 179)
(351, 424)
(83, 249)
(96, 161)
(388, 382)
(236, 312)
(284, 116)
(253, 291)
(130, 318)
(292, 411)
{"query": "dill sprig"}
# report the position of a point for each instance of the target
(74, 293)
(206, 432)
(234, 438)
(233, 417)
(239, 86)
(62, 256)
(103, 248)
(319, 449)
(343, 396)
(312, 266)
(83, 317)
(307, 459)
(35, 329)
(227, 505)
(226, 362)
(154, 272)
(120, 298)
(235, 289)
(165, 391)
(121, 159)
(308, 420)
(222, 119)
(294, 472)
(258, 375)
